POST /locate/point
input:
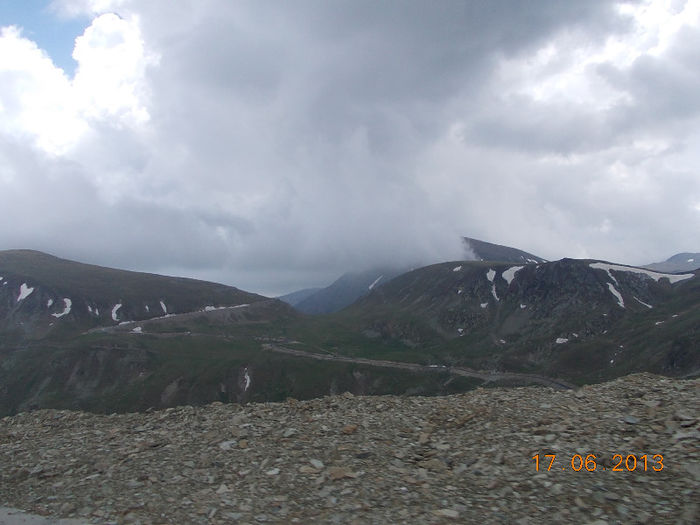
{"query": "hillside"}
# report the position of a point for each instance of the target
(353, 285)
(42, 294)
(624, 452)
(581, 319)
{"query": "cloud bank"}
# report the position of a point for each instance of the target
(275, 146)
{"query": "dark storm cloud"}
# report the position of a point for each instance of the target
(289, 142)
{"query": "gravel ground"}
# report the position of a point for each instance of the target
(344, 459)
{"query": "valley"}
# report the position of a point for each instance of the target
(91, 338)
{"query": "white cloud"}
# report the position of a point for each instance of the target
(274, 147)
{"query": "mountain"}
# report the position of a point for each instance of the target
(66, 343)
(40, 294)
(295, 298)
(352, 286)
(581, 320)
(486, 251)
(346, 290)
(681, 262)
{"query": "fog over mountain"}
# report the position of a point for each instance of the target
(275, 146)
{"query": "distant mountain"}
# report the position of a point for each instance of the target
(346, 290)
(295, 298)
(681, 262)
(352, 286)
(40, 293)
(486, 251)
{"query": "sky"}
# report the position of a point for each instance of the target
(275, 145)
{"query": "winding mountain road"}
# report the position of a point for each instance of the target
(489, 377)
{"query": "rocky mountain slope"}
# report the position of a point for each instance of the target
(681, 262)
(41, 294)
(620, 452)
(352, 286)
(568, 318)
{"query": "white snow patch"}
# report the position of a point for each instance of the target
(491, 274)
(238, 306)
(654, 275)
(561, 340)
(137, 330)
(523, 306)
(689, 260)
(49, 303)
(617, 295)
(67, 303)
(502, 341)
(459, 291)
(657, 323)
(24, 292)
(246, 376)
(115, 310)
(97, 311)
(575, 335)
(509, 274)
(162, 305)
(456, 268)
(375, 282)
(674, 315)
(612, 361)
(147, 308)
(484, 305)
(89, 308)
(493, 292)
(642, 302)
(210, 308)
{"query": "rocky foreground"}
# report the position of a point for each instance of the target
(343, 459)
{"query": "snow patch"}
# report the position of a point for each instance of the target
(657, 323)
(617, 295)
(673, 278)
(523, 306)
(246, 377)
(137, 330)
(509, 274)
(147, 308)
(642, 302)
(162, 305)
(24, 292)
(67, 303)
(375, 282)
(49, 303)
(689, 260)
(490, 274)
(484, 305)
(89, 308)
(493, 292)
(561, 340)
(115, 310)
(456, 268)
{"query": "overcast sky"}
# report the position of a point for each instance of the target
(275, 145)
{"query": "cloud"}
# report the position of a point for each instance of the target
(276, 146)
